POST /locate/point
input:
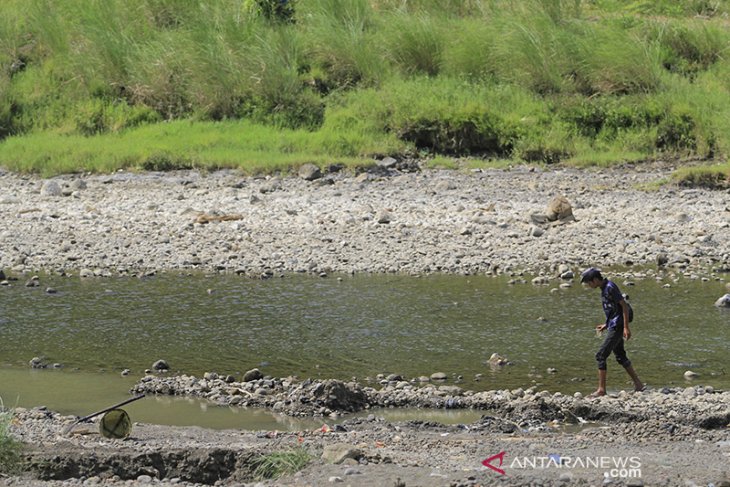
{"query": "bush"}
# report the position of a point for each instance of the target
(690, 48)
(98, 116)
(164, 161)
(10, 448)
(608, 116)
(414, 44)
(677, 132)
(278, 464)
(713, 177)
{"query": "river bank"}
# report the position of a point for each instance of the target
(654, 438)
(388, 221)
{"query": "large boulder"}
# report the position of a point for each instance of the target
(309, 172)
(338, 396)
(51, 189)
(253, 374)
(160, 365)
(559, 208)
(339, 452)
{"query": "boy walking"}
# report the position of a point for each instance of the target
(617, 325)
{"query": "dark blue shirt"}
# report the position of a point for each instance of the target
(611, 298)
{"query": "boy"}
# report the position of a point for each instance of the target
(617, 324)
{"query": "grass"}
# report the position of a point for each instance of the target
(180, 145)
(153, 84)
(10, 448)
(277, 464)
(716, 176)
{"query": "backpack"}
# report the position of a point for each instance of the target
(631, 309)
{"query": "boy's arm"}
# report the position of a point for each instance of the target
(625, 311)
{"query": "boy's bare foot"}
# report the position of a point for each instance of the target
(640, 388)
(598, 393)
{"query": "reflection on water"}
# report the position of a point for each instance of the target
(82, 393)
(354, 327)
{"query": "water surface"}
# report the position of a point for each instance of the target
(357, 326)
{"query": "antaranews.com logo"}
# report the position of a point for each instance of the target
(614, 467)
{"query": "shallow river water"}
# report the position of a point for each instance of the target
(353, 326)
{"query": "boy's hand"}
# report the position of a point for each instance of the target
(601, 327)
(627, 333)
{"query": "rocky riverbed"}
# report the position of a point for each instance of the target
(489, 221)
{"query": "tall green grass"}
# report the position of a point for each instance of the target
(539, 80)
(10, 448)
(277, 464)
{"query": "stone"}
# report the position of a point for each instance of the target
(559, 208)
(77, 185)
(496, 359)
(689, 392)
(338, 396)
(36, 363)
(338, 452)
(689, 375)
(51, 189)
(388, 163)
(253, 374)
(160, 365)
(439, 376)
(384, 217)
(723, 302)
(309, 172)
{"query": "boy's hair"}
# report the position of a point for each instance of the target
(590, 274)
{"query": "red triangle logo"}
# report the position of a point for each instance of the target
(488, 462)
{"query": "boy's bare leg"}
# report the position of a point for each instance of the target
(638, 385)
(601, 391)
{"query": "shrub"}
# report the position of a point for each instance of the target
(10, 448)
(608, 116)
(98, 116)
(278, 464)
(414, 44)
(165, 161)
(677, 132)
(690, 47)
(713, 177)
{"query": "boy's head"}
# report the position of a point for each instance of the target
(592, 277)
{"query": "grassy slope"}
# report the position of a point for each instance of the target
(160, 84)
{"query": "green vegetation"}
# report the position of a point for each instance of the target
(10, 448)
(265, 85)
(278, 464)
(715, 177)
